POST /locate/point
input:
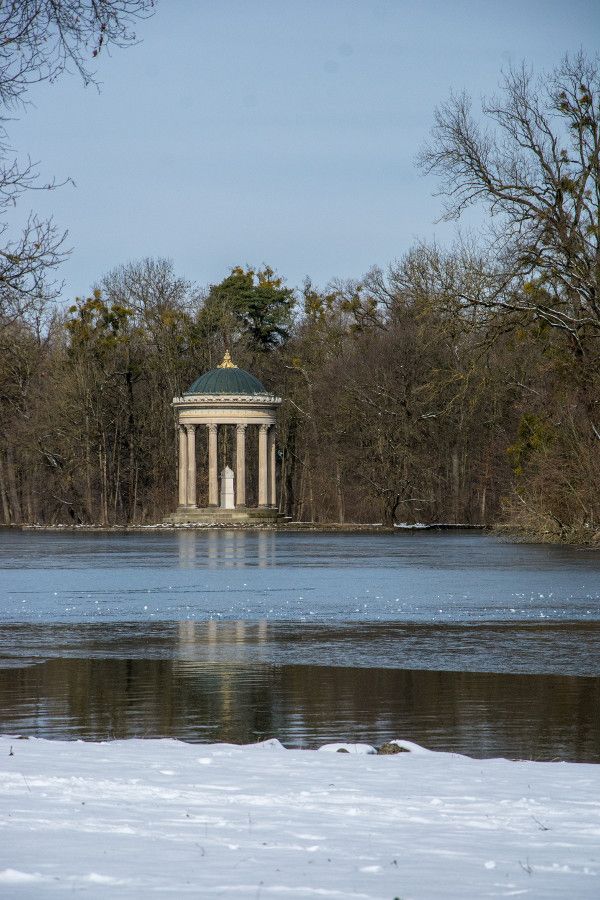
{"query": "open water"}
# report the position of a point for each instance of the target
(454, 639)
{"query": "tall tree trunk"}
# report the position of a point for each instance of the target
(88, 473)
(4, 495)
(455, 484)
(339, 492)
(13, 492)
(132, 473)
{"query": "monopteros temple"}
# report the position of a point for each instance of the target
(216, 416)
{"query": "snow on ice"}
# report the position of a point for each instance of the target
(142, 818)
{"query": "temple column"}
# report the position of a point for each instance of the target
(272, 477)
(262, 465)
(191, 465)
(213, 483)
(182, 470)
(240, 465)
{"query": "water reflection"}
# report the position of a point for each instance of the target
(203, 643)
(457, 641)
(541, 717)
(226, 549)
(560, 648)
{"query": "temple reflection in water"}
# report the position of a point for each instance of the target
(194, 637)
(226, 549)
(217, 681)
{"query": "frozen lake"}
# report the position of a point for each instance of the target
(456, 640)
(254, 575)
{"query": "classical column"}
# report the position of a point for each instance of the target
(240, 465)
(262, 465)
(182, 471)
(191, 464)
(272, 480)
(213, 486)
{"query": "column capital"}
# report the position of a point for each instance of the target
(189, 428)
(241, 426)
(212, 427)
(264, 428)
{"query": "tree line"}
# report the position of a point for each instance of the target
(402, 403)
(460, 384)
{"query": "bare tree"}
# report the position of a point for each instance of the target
(536, 169)
(40, 39)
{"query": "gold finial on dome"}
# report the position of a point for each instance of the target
(227, 363)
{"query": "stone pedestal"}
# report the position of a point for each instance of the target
(227, 495)
(210, 516)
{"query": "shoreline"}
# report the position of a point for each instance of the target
(511, 534)
(324, 527)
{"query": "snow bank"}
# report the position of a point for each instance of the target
(144, 818)
(348, 748)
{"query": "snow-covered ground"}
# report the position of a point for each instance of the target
(144, 818)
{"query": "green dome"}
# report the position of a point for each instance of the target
(226, 381)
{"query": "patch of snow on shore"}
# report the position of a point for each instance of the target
(143, 818)
(348, 748)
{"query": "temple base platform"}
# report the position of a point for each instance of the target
(216, 516)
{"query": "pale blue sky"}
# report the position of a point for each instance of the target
(274, 132)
